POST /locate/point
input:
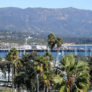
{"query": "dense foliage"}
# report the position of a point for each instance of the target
(40, 73)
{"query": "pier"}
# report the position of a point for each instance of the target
(54, 50)
(76, 49)
(65, 48)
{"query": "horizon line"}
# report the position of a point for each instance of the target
(45, 8)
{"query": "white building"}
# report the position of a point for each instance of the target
(39, 47)
(24, 47)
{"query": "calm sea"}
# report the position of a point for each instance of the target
(60, 54)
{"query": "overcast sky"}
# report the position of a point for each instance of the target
(81, 4)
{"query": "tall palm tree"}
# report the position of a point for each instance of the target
(43, 67)
(73, 76)
(12, 57)
(26, 72)
(59, 43)
(51, 40)
(8, 67)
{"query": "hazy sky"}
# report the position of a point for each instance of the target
(82, 4)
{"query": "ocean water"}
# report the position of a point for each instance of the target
(60, 54)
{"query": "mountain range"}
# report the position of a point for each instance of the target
(66, 22)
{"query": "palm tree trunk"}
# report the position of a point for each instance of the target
(44, 88)
(47, 89)
(13, 77)
(37, 82)
(9, 70)
(8, 76)
(28, 90)
(18, 89)
(5, 74)
(57, 57)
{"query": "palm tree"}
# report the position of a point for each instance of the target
(89, 60)
(43, 67)
(12, 57)
(27, 73)
(49, 56)
(73, 75)
(51, 40)
(8, 66)
(59, 42)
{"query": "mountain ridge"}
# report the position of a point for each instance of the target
(69, 22)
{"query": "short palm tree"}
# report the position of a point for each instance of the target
(89, 60)
(49, 56)
(73, 75)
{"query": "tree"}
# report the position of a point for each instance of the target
(43, 68)
(8, 68)
(35, 73)
(51, 40)
(89, 60)
(73, 76)
(59, 43)
(12, 57)
(49, 56)
(26, 73)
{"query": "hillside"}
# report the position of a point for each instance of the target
(66, 22)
